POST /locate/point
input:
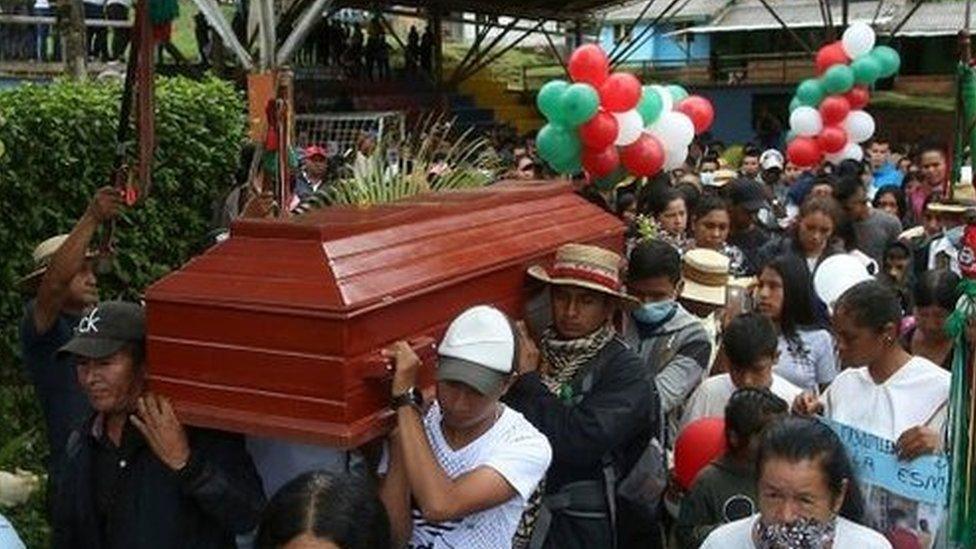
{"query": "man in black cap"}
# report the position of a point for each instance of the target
(747, 198)
(133, 475)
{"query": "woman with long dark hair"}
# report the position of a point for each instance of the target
(806, 352)
(808, 494)
(712, 223)
(935, 298)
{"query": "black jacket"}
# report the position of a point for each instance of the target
(216, 496)
(614, 417)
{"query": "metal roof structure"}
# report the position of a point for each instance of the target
(750, 15)
(688, 10)
(936, 19)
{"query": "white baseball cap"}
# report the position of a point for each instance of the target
(837, 274)
(771, 158)
(478, 350)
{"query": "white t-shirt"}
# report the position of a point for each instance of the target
(810, 364)
(917, 394)
(513, 448)
(711, 397)
(738, 535)
(8, 536)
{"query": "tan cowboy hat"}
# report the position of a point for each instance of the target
(586, 266)
(705, 275)
(42, 256)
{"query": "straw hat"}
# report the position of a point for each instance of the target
(705, 274)
(585, 266)
(42, 256)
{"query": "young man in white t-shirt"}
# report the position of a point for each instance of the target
(750, 343)
(460, 474)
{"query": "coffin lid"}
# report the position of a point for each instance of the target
(344, 260)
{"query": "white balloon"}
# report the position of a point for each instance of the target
(852, 151)
(674, 129)
(858, 40)
(859, 126)
(630, 125)
(806, 121)
(666, 100)
(675, 158)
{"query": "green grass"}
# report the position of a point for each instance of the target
(892, 100)
(183, 37)
(508, 67)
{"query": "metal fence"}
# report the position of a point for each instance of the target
(338, 132)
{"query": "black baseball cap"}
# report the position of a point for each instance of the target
(747, 193)
(106, 329)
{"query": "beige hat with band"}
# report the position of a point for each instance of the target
(585, 266)
(42, 256)
(705, 275)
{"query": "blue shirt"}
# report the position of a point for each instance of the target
(888, 176)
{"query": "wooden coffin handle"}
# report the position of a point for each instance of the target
(379, 367)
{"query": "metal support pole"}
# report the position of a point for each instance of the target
(555, 51)
(478, 39)
(266, 32)
(219, 23)
(459, 71)
(303, 27)
(845, 10)
(640, 38)
(630, 29)
(787, 28)
(504, 50)
(911, 12)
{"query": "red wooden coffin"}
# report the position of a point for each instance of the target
(277, 330)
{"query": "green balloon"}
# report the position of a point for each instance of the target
(866, 69)
(838, 79)
(578, 103)
(650, 106)
(568, 166)
(557, 144)
(677, 93)
(548, 99)
(810, 92)
(888, 59)
(795, 103)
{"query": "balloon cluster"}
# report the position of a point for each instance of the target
(607, 123)
(826, 116)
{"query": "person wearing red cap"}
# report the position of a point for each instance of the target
(312, 177)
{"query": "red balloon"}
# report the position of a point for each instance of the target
(858, 97)
(832, 139)
(620, 92)
(590, 64)
(830, 55)
(834, 109)
(600, 132)
(600, 162)
(697, 445)
(643, 157)
(803, 151)
(699, 110)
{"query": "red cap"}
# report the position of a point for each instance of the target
(315, 150)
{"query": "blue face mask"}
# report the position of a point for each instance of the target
(954, 235)
(655, 312)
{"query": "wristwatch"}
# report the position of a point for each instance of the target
(410, 397)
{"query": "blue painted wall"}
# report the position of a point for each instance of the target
(734, 110)
(660, 47)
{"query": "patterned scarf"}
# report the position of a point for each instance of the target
(806, 533)
(562, 360)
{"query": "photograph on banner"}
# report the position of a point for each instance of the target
(904, 500)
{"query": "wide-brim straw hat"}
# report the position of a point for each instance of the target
(705, 276)
(42, 256)
(584, 266)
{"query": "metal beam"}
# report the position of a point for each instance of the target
(555, 51)
(630, 29)
(905, 19)
(503, 51)
(303, 27)
(877, 12)
(456, 76)
(464, 20)
(787, 28)
(267, 34)
(478, 39)
(642, 37)
(217, 21)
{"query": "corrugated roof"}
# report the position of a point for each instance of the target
(934, 19)
(753, 15)
(685, 10)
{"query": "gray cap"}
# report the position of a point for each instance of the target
(480, 378)
(106, 329)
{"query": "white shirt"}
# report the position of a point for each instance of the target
(514, 449)
(810, 364)
(738, 535)
(279, 461)
(711, 397)
(944, 246)
(917, 394)
(8, 536)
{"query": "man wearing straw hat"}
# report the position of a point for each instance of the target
(589, 396)
(60, 288)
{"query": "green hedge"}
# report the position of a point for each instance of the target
(59, 141)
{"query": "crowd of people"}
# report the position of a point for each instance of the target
(42, 41)
(560, 431)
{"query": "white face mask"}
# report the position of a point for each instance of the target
(708, 178)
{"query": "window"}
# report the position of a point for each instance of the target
(620, 33)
